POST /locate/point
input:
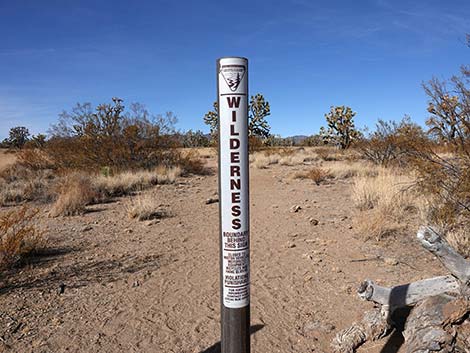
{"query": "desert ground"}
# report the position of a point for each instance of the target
(107, 283)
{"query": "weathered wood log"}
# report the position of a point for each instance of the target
(407, 294)
(431, 240)
(439, 320)
(430, 326)
(374, 325)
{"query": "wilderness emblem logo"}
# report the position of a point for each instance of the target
(233, 75)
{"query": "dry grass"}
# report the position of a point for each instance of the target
(19, 237)
(348, 169)
(6, 159)
(144, 207)
(385, 201)
(262, 161)
(318, 175)
(75, 193)
(127, 182)
(459, 239)
(19, 184)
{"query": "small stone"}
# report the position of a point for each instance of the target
(128, 230)
(313, 221)
(295, 208)
(87, 228)
(291, 245)
(212, 200)
(136, 284)
(61, 288)
(390, 261)
(293, 235)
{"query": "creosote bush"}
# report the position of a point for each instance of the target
(19, 236)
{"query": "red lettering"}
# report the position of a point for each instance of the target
(233, 101)
(235, 157)
(234, 144)
(234, 170)
(235, 197)
(235, 184)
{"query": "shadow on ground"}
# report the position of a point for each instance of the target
(74, 273)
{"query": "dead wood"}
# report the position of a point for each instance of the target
(438, 321)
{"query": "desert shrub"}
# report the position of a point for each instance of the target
(34, 159)
(145, 207)
(75, 193)
(19, 183)
(446, 177)
(89, 139)
(19, 237)
(191, 163)
(327, 154)
(318, 175)
(391, 142)
(192, 139)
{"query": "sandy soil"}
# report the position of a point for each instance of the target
(6, 158)
(132, 286)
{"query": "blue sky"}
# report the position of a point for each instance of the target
(304, 56)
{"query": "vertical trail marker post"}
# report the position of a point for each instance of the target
(232, 95)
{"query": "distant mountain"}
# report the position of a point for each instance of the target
(297, 138)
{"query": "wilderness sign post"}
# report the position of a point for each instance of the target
(232, 86)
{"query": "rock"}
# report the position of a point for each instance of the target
(136, 284)
(390, 261)
(313, 221)
(152, 222)
(61, 288)
(293, 235)
(212, 200)
(129, 231)
(87, 228)
(290, 245)
(295, 208)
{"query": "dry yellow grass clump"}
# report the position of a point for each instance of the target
(348, 169)
(262, 161)
(6, 159)
(318, 175)
(19, 237)
(75, 193)
(144, 207)
(385, 201)
(123, 183)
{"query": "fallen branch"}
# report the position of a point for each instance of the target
(407, 294)
(432, 241)
(438, 321)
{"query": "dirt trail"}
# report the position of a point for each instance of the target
(133, 287)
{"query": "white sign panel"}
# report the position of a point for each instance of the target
(233, 174)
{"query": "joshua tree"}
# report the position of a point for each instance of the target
(341, 130)
(258, 110)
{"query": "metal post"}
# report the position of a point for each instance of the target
(232, 86)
